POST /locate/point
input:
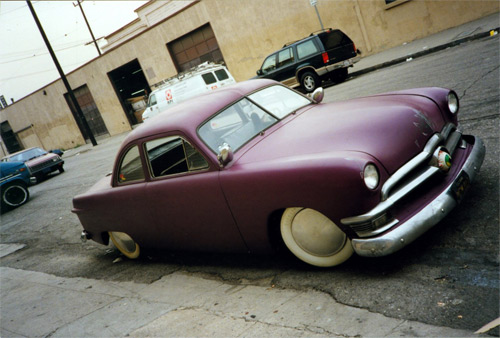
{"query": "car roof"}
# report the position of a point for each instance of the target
(188, 74)
(310, 36)
(188, 115)
(21, 151)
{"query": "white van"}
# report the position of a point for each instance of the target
(198, 80)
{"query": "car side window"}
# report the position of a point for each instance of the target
(131, 167)
(285, 57)
(307, 48)
(269, 64)
(152, 100)
(173, 155)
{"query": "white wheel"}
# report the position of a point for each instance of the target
(314, 238)
(125, 244)
(15, 194)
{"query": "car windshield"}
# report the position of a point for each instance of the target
(278, 100)
(242, 121)
(26, 155)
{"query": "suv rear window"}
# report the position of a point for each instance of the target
(334, 39)
(306, 48)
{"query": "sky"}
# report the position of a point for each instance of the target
(25, 63)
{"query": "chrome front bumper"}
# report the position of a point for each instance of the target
(418, 224)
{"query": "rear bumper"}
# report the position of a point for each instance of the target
(430, 215)
(343, 64)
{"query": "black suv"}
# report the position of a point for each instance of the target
(307, 62)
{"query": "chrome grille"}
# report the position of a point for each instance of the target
(47, 164)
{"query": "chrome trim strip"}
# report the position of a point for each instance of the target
(343, 64)
(409, 166)
(429, 149)
(429, 216)
(290, 82)
(379, 230)
(385, 205)
(321, 71)
(8, 177)
(452, 142)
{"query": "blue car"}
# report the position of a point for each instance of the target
(14, 181)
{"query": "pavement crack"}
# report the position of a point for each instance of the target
(478, 80)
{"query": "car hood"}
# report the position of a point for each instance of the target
(8, 168)
(393, 129)
(41, 159)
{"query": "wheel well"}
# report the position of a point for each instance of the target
(273, 229)
(303, 70)
(105, 237)
(15, 181)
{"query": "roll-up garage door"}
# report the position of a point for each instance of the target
(195, 48)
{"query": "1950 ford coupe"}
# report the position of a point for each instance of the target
(251, 166)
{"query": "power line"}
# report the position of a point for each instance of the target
(39, 72)
(77, 44)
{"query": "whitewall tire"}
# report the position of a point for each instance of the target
(314, 238)
(125, 244)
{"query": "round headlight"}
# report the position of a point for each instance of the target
(453, 102)
(370, 175)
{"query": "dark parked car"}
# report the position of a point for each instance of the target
(256, 164)
(14, 181)
(39, 161)
(305, 63)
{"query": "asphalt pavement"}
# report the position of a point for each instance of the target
(35, 304)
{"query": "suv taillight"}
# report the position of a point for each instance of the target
(325, 57)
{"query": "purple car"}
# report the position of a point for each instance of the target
(255, 165)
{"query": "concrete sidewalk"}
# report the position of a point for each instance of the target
(473, 30)
(35, 304)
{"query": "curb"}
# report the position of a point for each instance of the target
(422, 53)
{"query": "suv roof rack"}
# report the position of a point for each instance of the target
(321, 31)
(313, 33)
(289, 43)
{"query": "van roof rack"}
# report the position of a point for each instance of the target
(207, 65)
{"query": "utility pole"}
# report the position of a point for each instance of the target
(79, 4)
(63, 77)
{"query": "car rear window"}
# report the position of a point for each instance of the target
(221, 74)
(209, 78)
(307, 48)
(334, 39)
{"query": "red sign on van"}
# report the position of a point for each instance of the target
(168, 95)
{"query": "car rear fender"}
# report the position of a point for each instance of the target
(302, 69)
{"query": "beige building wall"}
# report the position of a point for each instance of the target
(246, 32)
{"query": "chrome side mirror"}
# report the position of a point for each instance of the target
(225, 154)
(318, 95)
